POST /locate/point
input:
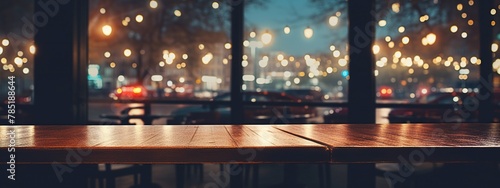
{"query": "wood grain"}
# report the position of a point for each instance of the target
(365, 143)
(160, 144)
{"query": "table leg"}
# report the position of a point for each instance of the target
(147, 174)
(236, 175)
(179, 175)
(361, 175)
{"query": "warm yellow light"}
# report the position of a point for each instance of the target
(1, 50)
(342, 62)
(112, 65)
(280, 57)
(388, 39)
(139, 18)
(201, 46)
(376, 49)
(453, 28)
(18, 61)
(207, 58)
(395, 7)
(431, 38)
(32, 49)
(253, 34)
(5, 42)
(178, 13)
(424, 18)
(102, 11)
(215, 5)
(401, 29)
(127, 52)
(405, 40)
(425, 42)
(227, 46)
(390, 44)
(382, 23)
(464, 15)
(494, 47)
(107, 54)
(137, 90)
(464, 34)
(286, 30)
(333, 21)
(107, 29)
(470, 22)
(26, 70)
(308, 32)
(266, 38)
(493, 12)
(460, 7)
(153, 4)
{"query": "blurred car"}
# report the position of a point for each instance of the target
(220, 113)
(425, 115)
(23, 107)
(133, 92)
(336, 115)
(385, 92)
(179, 91)
(306, 94)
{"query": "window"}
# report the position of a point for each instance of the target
(158, 50)
(17, 51)
(424, 49)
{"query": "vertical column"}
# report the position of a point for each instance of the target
(486, 56)
(237, 54)
(236, 80)
(361, 66)
(61, 62)
(361, 80)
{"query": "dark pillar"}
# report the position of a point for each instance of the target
(236, 68)
(361, 80)
(61, 62)
(486, 56)
(361, 66)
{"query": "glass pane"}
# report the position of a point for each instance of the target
(163, 50)
(16, 56)
(496, 60)
(427, 52)
(298, 47)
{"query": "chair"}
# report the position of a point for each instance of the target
(105, 174)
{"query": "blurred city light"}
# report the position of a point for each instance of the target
(308, 32)
(127, 52)
(266, 38)
(107, 29)
(153, 4)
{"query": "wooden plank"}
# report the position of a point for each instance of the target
(160, 144)
(391, 143)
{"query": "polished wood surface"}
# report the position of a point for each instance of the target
(341, 143)
(160, 144)
(411, 142)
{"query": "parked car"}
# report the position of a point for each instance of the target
(133, 92)
(336, 115)
(306, 94)
(179, 91)
(457, 113)
(220, 113)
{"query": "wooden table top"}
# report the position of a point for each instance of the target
(336, 143)
(418, 142)
(160, 144)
